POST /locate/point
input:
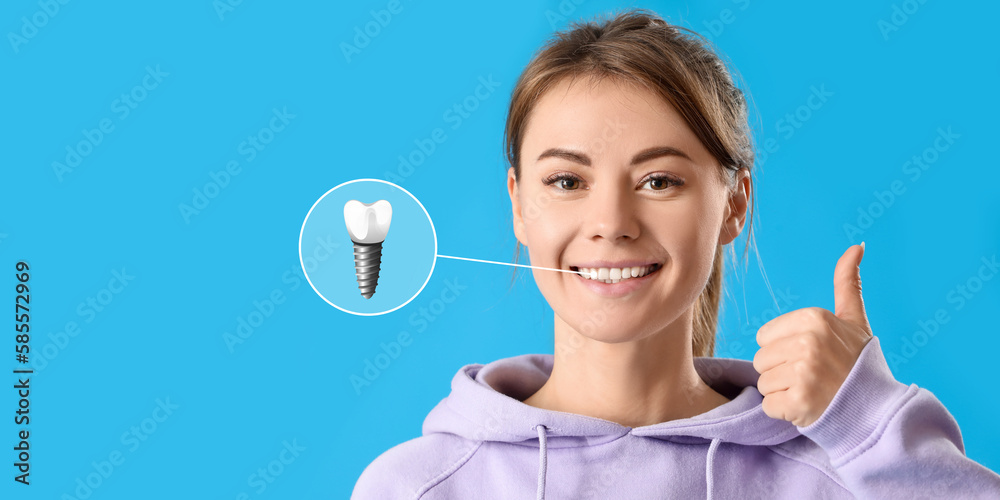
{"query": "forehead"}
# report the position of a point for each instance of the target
(607, 117)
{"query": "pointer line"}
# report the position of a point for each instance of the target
(509, 264)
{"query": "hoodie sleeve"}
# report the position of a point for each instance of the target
(887, 439)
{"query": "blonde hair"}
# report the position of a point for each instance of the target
(640, 48)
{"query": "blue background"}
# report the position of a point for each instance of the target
(407, 253)
(190, 279)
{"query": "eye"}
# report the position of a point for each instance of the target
(660, 182)
(565, 182)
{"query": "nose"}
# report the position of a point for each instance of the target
(610, 213)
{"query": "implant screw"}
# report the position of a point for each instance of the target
(367, 262)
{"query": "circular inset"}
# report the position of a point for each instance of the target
(367, 247)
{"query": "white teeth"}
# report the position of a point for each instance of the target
(614, 275)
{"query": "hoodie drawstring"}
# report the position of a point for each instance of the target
(542, 458)
(708, 464)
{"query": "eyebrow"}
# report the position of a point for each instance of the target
(641, 156)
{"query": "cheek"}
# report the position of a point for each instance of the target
(549, 232)
(689, 234)
(546, 224)
(682, 227)
(547, 236)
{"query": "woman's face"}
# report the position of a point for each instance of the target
(612, 178)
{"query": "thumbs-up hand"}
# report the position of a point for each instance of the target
(805, 355)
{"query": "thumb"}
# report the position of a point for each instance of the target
(848, 303)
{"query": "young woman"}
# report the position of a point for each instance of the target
(630, 165)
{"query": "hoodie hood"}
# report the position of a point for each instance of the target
(486, 404)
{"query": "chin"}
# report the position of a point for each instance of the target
(605, 328)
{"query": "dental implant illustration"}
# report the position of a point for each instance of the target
(367, 224)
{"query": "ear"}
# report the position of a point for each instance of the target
(736, 208)
(515, 203)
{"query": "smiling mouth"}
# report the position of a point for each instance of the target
(615, 274)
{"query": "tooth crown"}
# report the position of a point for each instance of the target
(614, 274)
(367, 222)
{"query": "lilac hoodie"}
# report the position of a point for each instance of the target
(879, 438)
